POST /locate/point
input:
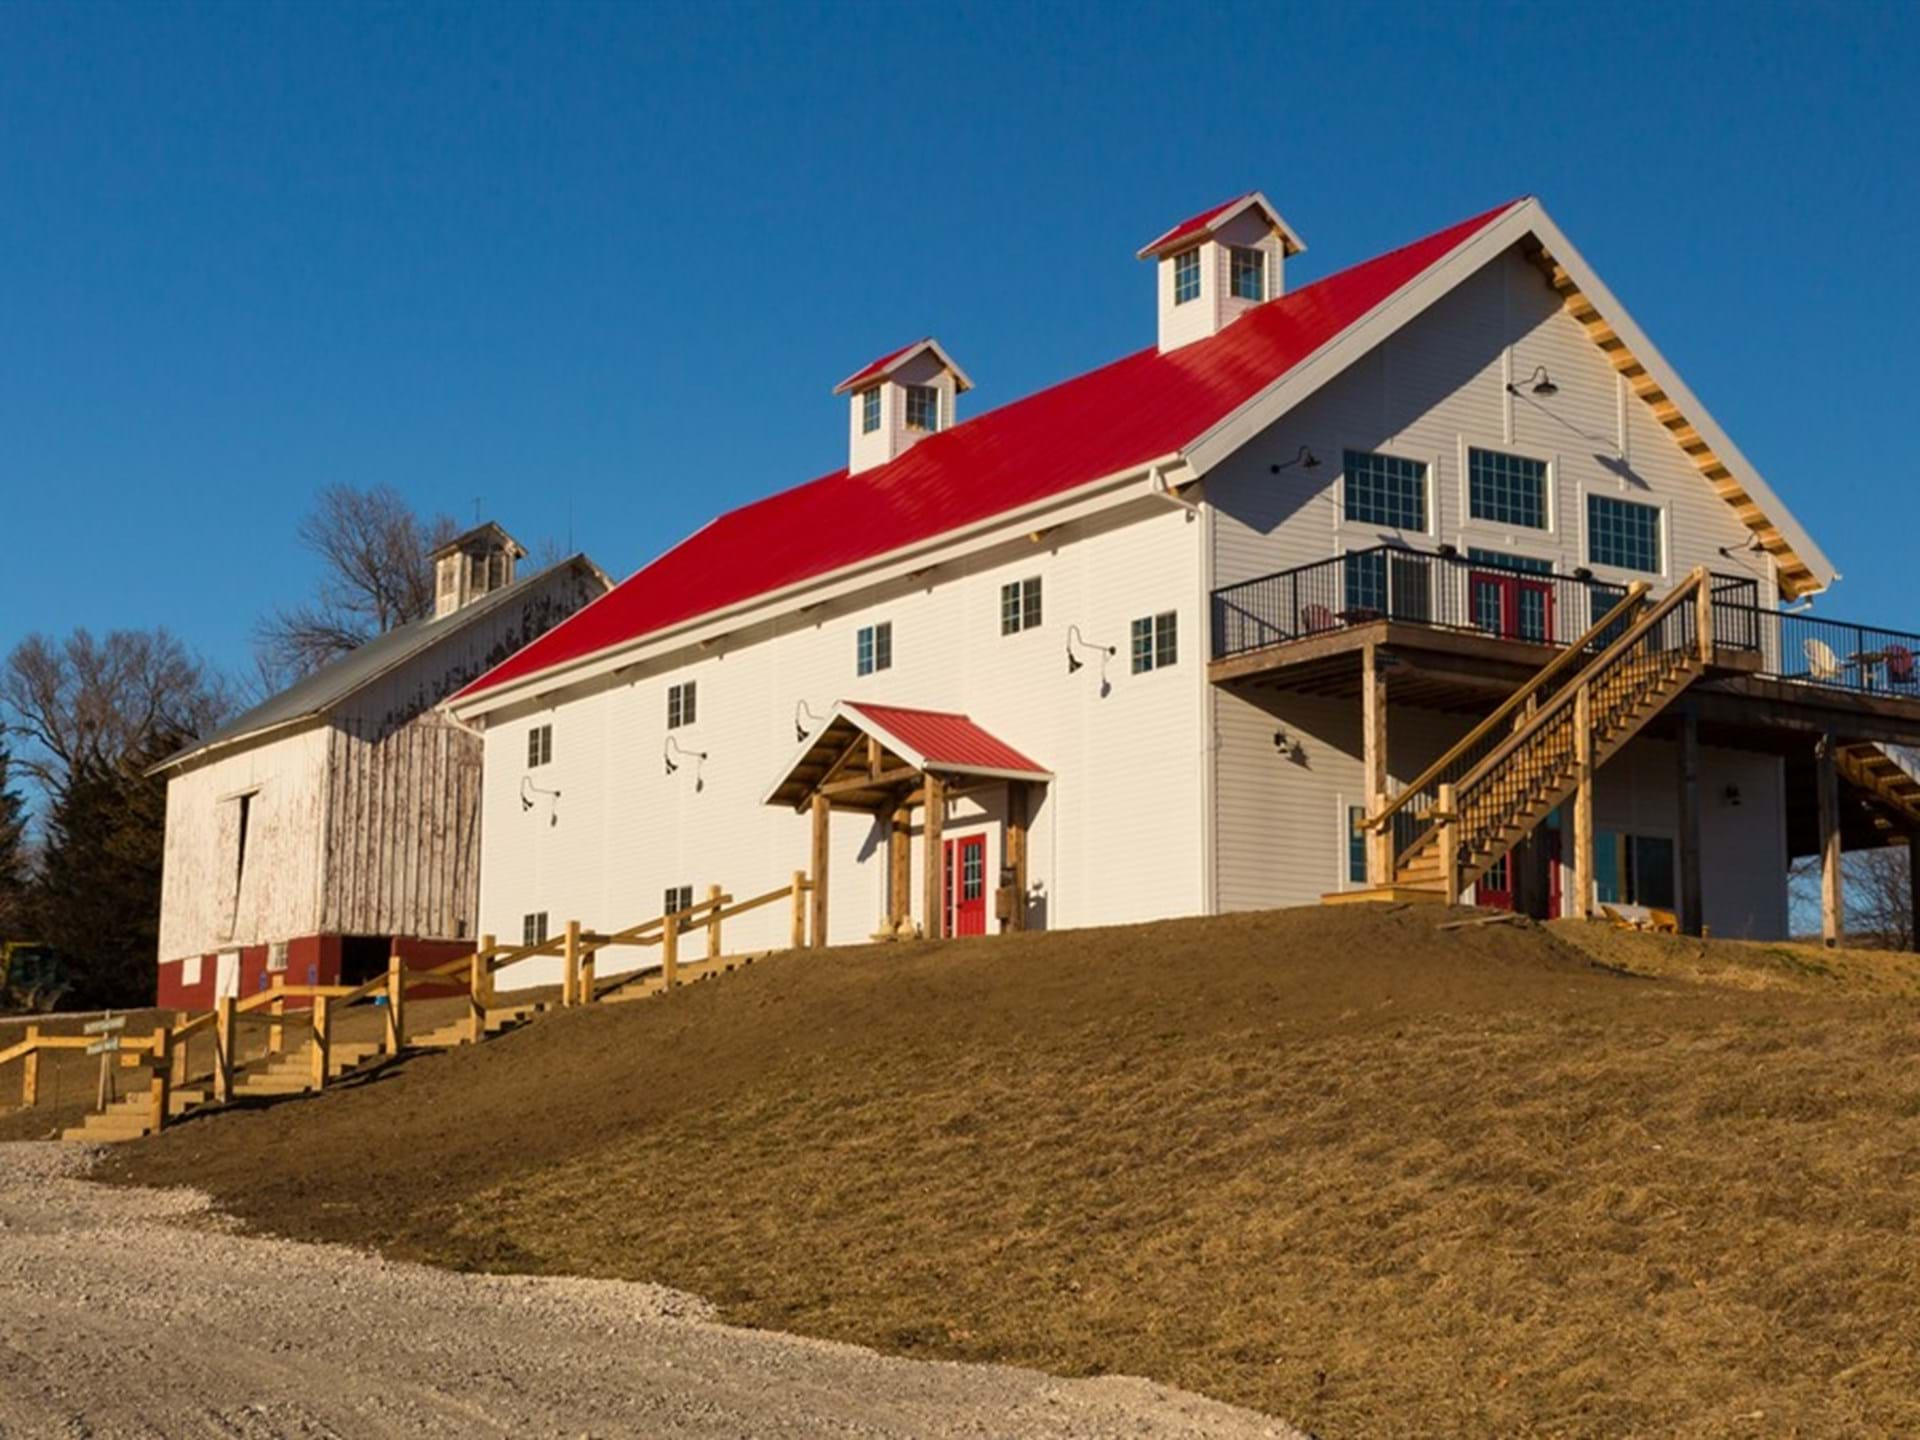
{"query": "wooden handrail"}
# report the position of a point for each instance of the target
(1694, 584)
(1635, 593)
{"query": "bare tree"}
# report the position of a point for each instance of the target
(87, 702)
(1874, 887)
(375, 575)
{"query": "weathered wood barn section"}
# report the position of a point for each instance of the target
(343, 814)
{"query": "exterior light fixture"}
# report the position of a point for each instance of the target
(672, 748)
(1583, 573)
(1076, 640)
(528, 790)
(1540, 382)
(1732, 796)
(1303, 457)
(802, 709)
(1448, 551)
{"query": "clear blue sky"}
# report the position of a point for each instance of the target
(600, 265)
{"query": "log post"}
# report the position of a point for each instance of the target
(899, 868)
(570, 979)
(1583, 804)
(797, 936)
(670, 951)
(479, 980)
(1449, 844)
(1832, 895)
(1689, 778)
(935, 878)
(713, 922)
(822, 852)
(161, 1092)
(1017, 793)
(223, 1028)
(30, 1072)
(396, 1037)
(322, 1039)
(1373, 746)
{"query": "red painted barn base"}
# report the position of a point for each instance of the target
(193, 982)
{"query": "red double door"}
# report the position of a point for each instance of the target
(1495, 889)
(1513, 606)
(966, 886)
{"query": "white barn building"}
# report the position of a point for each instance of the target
(1151, 642)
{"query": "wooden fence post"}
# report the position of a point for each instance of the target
(396, 1037)
(670, 951)
(1582, 907)
(276, 1032)
(713, 922)
(322, 1039)
(180, 1052)
(797, 937)
(223, 1028)
(1449, 845)
(584, 987)
(30, 1071)
(570, 981)
(162, 1090)
(477, 985)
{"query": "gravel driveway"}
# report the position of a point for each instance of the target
(139, 1312)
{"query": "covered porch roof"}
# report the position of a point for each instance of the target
(865, 753)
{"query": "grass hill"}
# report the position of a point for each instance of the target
(1369, 1175)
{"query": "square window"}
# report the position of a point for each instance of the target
(539, 746)
(1019, 605)
(1386, 490)
(533, 928)
(873, 648)
(1156, 641)
(1186, 276)
(870, 410)
(1623, 533)
(680, 704)
(677, 898)
(1507, 489)
(1249, 274)
(923, 407)
(1356, 846)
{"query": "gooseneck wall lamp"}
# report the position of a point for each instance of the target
(672, 748)
(1303, 457)
(1077, 641)
(1539, 382)
(528, 790)
(803, 719)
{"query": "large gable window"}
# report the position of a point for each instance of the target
(1186, 276)
(1386, 490)
(1507, 489)
(1249, 273)
(1623, 533)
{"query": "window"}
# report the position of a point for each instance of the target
(1501, 560)
(678, 898)
(1156, 641)
(1356, 846)
(1186, 276)
(870, 410)
(1633, 869)
(1019, 605)
(1507, 489)
(533, 928)
(873, 649)
(539, 746)
(1249, 274)
(1386, 490)
(680, 707)
(923, 407)
(1623, 533)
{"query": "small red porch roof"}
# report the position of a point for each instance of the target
(942, 740)
(921, 740)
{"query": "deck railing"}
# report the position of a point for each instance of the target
(1813, 650)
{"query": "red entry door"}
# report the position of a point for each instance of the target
(1496, 892)
(1514, 607)
(966, 887)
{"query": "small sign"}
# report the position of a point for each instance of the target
(103, 1027)
(101, 1047)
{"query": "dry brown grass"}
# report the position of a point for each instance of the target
(1375, 1178)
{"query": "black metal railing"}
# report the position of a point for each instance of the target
(1813, 650)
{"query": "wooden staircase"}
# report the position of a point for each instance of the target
(1489, 792)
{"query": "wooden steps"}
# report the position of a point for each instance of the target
(126, 1119)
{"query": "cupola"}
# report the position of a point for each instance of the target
(1213, 268)
(899, 399)
(472, 565)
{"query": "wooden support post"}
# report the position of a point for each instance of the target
(570, 979)
(180, 1056)
(1833, 926)
(584, 987)
(396, 1036)
(934, 881)
(1583, 878)
(670, 951)
(1017, 852)
(322, 1039)
(1690, 916)
(899, 868)
(713, 922)
(1913, 884)
(1703, 616)
(1373, 747)
(276, 1032)
(822, 832)
(479, 986)
(1449, 844)
(797, 936)
(30, 1072)
(223, 1057)
(161, 1091)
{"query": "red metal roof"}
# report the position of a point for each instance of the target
(876, 367)
(1191, 225)
(945, 740)
(1098, 424)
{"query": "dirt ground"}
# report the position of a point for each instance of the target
(135, 1313)
(1337, 1165)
